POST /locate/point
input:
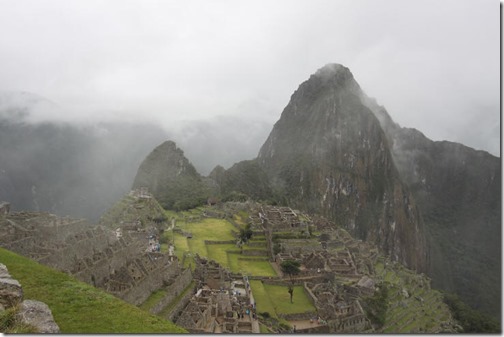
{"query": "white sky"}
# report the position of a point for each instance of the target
(433, 64)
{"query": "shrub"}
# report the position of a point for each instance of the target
(377, 305)
(265, 314)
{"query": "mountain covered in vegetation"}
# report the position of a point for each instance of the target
(171, 178)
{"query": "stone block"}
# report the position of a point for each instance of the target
(11, 292)
(38, 315)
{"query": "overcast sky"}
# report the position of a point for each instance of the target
(434, 65)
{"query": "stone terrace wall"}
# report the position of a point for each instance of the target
(93, 255)
(151, 281)
(180, 283)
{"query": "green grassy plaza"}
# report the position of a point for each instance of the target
(269, 298)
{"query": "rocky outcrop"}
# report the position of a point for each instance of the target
(328, 154)
(458, 190)
(11, 292)
(38, 315)
(171, 178)
(33, 313)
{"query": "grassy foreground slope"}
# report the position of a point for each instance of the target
(78, 307)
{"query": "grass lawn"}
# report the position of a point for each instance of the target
(78, 307)
(210, 229)
(280, 299)
(219, 254)
(239, 264)
(262, 299)
(276, 299)
(218, 230)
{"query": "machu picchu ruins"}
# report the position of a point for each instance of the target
(162, 262)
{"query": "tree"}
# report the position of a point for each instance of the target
(246, 233)
(290, 267)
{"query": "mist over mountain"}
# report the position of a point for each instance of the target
(51, 162)
(67, 169)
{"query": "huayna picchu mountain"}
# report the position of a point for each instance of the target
(329, 155)
(434, 206)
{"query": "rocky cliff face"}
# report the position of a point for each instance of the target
(328, 154)
(171, 178)
(458, 190)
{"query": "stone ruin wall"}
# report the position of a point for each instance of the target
(93, 255)
(180, 283)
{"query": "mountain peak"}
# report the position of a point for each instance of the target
(334, 72)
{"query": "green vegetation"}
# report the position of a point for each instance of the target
(274, 299)
(377, 305)
(167, 310)
(153, 299)
(279, 296)
(472, 321)
(78, 307)
(226, 254)
(290, 267)
(245, 233)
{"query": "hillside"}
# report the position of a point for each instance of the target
(78, 307)
(458, 190)
(171, 178)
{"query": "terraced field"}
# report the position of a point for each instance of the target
(408, 296)
(228, 254)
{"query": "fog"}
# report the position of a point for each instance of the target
(214, 76)
(433, 64)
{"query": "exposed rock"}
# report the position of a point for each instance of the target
(11, 292)
(30, 312)
(458, 190)
(329, 155)
(38, 315)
